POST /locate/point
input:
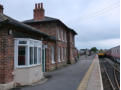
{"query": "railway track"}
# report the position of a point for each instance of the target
(112, 74)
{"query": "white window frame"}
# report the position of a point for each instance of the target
(59, 56)
(36, 43)
(58, 33)
(62, 35)
(62, 53)
(65, 37)
(52, 55)
(65, 54)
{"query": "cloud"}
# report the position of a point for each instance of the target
(93, 20)
(100, 44)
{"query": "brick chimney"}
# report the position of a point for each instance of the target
(1, 8)
(39, 11)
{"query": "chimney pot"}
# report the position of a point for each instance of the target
(38, 5)
(39, 11)
(35, 6)
(1, 8)
(42, 5)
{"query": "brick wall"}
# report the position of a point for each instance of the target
(71, 47)
(6, 56)
(52, 28)
(7, 50)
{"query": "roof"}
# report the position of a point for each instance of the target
(47, 19)
(116, 47)
(42, 20)
(29, 28)
(2, 18)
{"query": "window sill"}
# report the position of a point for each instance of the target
(59, 61)
(53, 62)
(28, 66)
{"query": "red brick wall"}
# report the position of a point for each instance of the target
(6, 56)
(49, 65)
(51, 28)
(71, 47)
(7, 50)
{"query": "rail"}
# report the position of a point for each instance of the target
(113, 82)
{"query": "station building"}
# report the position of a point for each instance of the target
(29, 48)
(64, 46)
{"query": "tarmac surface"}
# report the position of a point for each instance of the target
(66, 78)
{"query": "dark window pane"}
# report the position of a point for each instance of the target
(22, 42)
(31, 55)
(21, 55)
(35, 55)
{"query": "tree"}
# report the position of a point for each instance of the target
(94, 49)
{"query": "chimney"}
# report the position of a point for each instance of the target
(1, 8)
(39, 11)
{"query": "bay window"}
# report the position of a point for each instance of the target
(35, 55)
(22, 55)
(27, 52)
(31, 55)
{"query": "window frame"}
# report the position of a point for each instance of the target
(58, 34)
(63, 53)
(52, 55)
(59, 54)
(65, 36)
(30, 43)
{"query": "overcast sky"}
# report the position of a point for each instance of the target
(97, 22)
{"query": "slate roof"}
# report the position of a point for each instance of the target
(2, 18)
(6, 19)
(47, 19)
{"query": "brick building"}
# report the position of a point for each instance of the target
(29, 48)
(64, 46)
(20, 52)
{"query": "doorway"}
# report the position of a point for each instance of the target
(44, 58)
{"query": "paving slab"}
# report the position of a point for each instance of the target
(92, 79)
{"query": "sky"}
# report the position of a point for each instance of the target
(97, 22)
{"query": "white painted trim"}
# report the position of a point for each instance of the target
(59, 56)
(36, 43)
(52, 55)
(100, 74)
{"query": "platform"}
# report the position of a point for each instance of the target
(92, 79)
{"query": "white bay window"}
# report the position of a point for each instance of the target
(27, 52)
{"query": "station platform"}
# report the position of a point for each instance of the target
(92, 79)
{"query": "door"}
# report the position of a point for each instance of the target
(43, 59)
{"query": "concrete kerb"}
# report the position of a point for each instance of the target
(100, 76)
(84, 83)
